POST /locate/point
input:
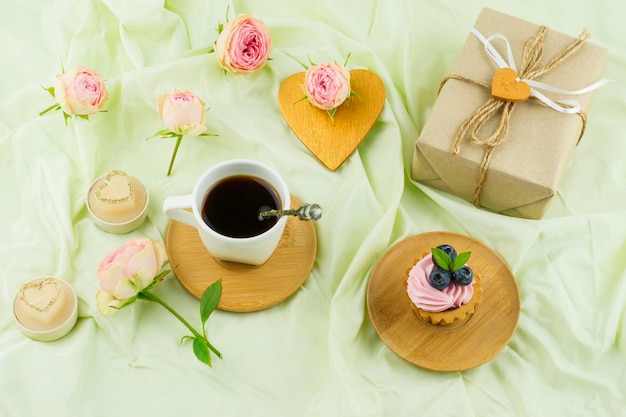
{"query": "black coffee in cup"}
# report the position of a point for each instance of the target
(232, 206)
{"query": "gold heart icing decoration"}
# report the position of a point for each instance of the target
(505, 86)
(40, 296)
(116, 188)
(332, 142)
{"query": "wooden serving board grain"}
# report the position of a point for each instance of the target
(457, 346)
(244, 287)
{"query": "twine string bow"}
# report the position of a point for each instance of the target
(528, 72)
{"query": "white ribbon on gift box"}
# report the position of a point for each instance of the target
(571, 106)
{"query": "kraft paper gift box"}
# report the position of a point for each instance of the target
(518, 172)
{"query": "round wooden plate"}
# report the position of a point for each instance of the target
(455, 347)
(244, 287)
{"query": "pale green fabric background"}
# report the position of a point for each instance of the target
(316, 354)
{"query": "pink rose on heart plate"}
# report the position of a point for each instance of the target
(183, 114)
(327, 86)
(243, 44)
(131, 272)
(79, 92)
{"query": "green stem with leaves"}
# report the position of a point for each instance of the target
(149, 296)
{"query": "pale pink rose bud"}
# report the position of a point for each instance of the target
(244, 45)
(182, 112)
(126, 271)
(80, 91)
(327, 85)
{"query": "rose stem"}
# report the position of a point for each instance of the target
(178, 139)
(152, 297)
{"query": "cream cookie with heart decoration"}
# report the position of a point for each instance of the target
(44, 304)
(45, 308)
(117, 202)
(43, 299)
(116, 193)
(332, 141)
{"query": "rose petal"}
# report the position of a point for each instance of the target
(182, 112)
(80, 91)
(106, 303)
(327, 85)
(244, 45)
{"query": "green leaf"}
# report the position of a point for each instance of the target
(55, 106)
(159, 133)
(353, 93)
(210, 299)
(460, 260)
(331, 113)
(143, 296)
(300, 99)
(201, 350)
(129, 301)
(156, 280)
(442, 259)
(49, 90)
(182, 339)
(311, 63)
(345, 64)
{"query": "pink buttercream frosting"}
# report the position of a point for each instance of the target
(428, 298)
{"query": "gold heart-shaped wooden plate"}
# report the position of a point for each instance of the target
(332, 142)
(505, 86)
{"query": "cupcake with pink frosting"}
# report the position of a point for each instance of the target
(442, 287)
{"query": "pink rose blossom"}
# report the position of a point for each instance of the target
(244, 45)
(126, 271)
(182, 112)
(327, 85)
(129, 273)
(80, 91)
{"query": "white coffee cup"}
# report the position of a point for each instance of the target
(254, 250)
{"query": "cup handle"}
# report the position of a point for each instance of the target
(174, 208)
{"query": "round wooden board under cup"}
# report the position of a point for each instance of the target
(244, 287)
(457, 346)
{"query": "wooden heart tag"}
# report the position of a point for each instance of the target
(333, 142)
(505, 87)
